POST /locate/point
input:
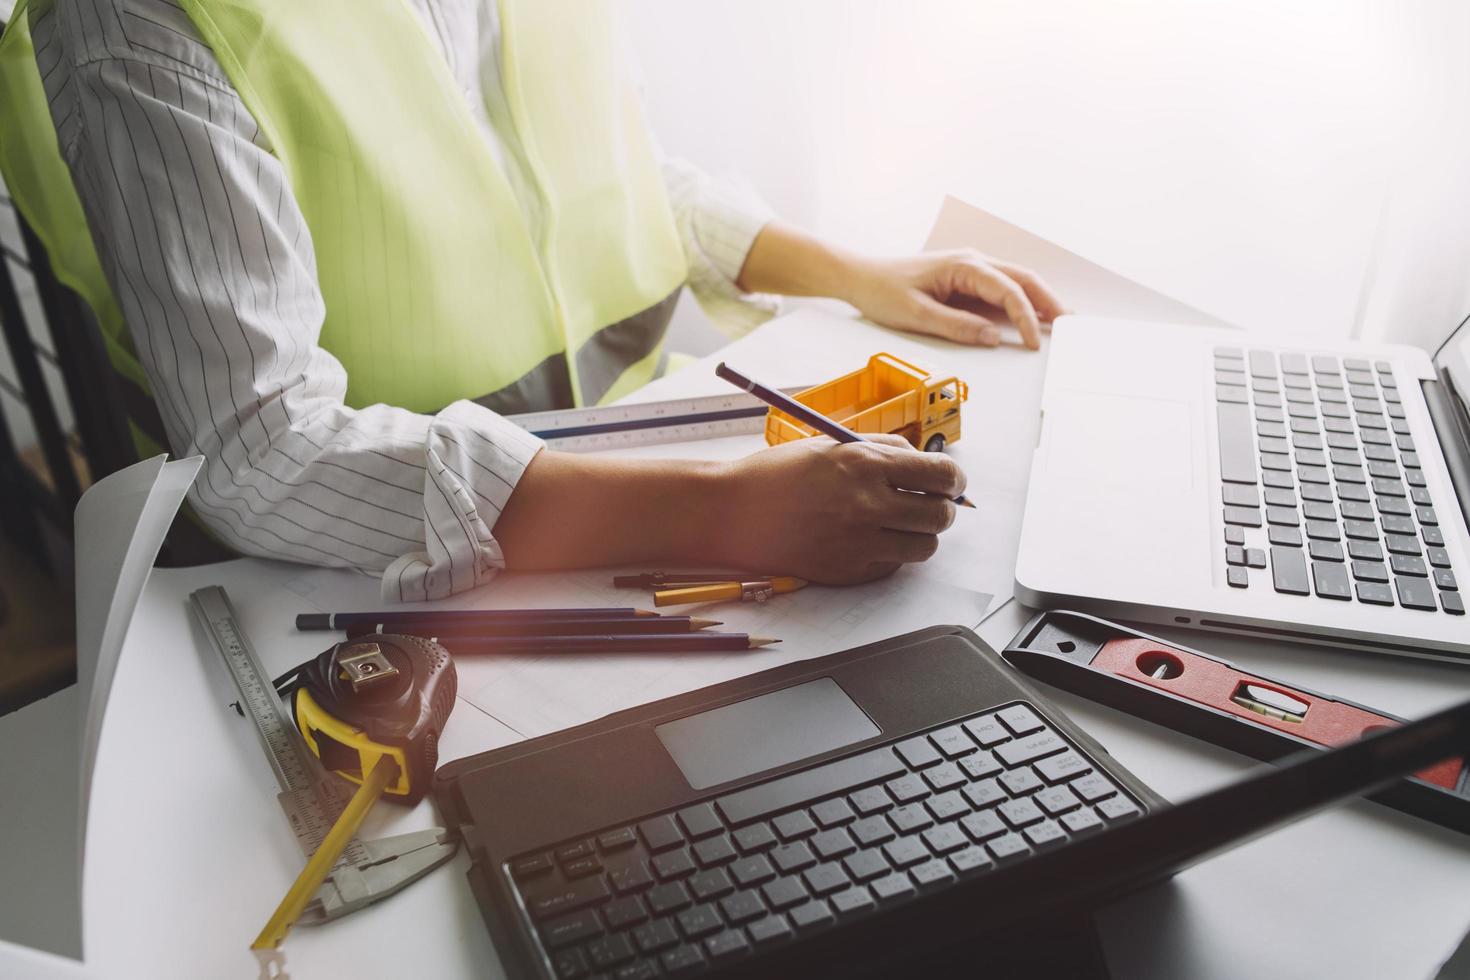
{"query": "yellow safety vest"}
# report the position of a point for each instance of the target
(435, 288)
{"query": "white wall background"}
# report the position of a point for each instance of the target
(1300, 166)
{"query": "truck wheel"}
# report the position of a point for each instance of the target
(935, 444)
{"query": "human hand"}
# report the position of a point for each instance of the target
(836, 513)
(961, 295)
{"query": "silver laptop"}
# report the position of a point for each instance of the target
(1254, 484)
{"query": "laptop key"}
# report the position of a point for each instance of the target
(1375, 593)
(631, 876)
(1286, 536)
(1045, 834)
(866, 865)
(1353, 491)
(1020, 720)
(932, 874)
(1237, 448)
(874, 799)
(1117, 808)
(811, 915)
(1445, 579)
(711, 884)
(1408, 565)
(759, 837)
(1324, 364)
(656, 935)
(609, 951)
(660, 833)
(852, 901)
(1240, 495)
(1237, 578)
(981, 765)
(986, 730)
(1420, 496)
(1082, 821)
(833, 844)
(1019, 782)
(1438, 557)
(1060, 768)
(947, 806)
(726, 945)
(557, 898)
(1262, 364)
(1389, 488)
(918, 752)
(699, 821)
(834, 813)
(1255, 558)
(1033, 747)
(1326, 550)
(945, 837)
(826, 878)
(910, 818)
(872, 831)
(673, 864)
(893, 887)
(1272, 478)
(984, 825)
(1294, 363)
(1357, 510)
(714, 851)
(682, 960)
(846, 774)
(1232, 394)
(791, 858)
(1008, 848)
(1020, 813)
(1289, 571)
(1323, 530)
(1370, 571)
(952, 742)
(1396, 524)
(1331, 580)
(1243, 516)
(770, 930)
(970, 860)
(784, 892)
(1316, 510)
(1414, 477)
(907, 788)
(1360, 530)
(571, 928)
(1426, 516)
(1415, 593)
(1283, 516)
(1452, 603)
(944, 776)
(905, 851)
(1313, 491)
(753, 871)
(1402, 544)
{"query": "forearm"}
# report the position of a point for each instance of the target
(572, 511)
(788, 261)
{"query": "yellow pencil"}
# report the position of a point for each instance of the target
(756, 591)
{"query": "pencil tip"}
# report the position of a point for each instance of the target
(701, 624)
(762, 641)
(966, 502)
(645, 612)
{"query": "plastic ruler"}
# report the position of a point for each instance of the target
(648, 423)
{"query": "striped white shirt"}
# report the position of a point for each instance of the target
(212, 265)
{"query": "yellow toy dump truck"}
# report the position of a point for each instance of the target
(889, 395)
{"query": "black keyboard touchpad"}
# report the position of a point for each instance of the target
(738, 740)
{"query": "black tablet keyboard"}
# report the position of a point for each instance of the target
(683, 891)
(1321, 472)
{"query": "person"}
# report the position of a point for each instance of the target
(347, 237)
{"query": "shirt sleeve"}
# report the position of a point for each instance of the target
(213, 266)
(718, 221)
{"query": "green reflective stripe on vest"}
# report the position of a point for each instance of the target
(40, 185)
(435, 288)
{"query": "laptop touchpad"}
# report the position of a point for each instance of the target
(1119, 441)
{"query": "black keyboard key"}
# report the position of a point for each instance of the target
(790, 858)
(660, 833)
(773, 929)
(582, 867)
(1032, 747)
(910, 818)
(1289, 537)
(714, 850)
(760, 837)
(833, 813)
(1020, 813)
(1452, 603)
(1020, 720)
(1365, 551)
(682, 960)
(1315, 491)
(852, 901)
(1356, 510)
(866, 865)
(1383, 470)
(574, 852)
(557, 898)
(1445, 579)
(1082, 821)
(700, 821)
(569, 964)
(1276, 497)
(1370, 571)
(1289, 571)
(571, 928)
(874, 799)
(1375, 593)
(1060, 768)
(981, 765)
(947, 806)
(1361, 530)
(918, 752)
(1415, 593)
(1280, 462)
(629, 876)
(1438, 557)
(1057, 800)
(784, 892)
(945, 837)
(1415, 477)
(1237, 448)
(742, 907)
(907, 788)
(1380, 453)
(530, 867)
(811, 915)
(1405, 444)
(970, 860)
(1094, 787)
(1402, 544)
(625, 912)
(797, 823)
(983, 825)
(826, 878)
(609, 951)
(944, 776)
(1420, 496)
(1045, 834)
(1323, 530)
(673, 864)
(616, 840)
(905, 851)
(1018, 782)
(1331, 580)
(1326, 550)
(952, 742)
(1408, 565)
(1348, 474)
(833, 844)
(1397, 524)
(1282, 481)
(932, 874)
(656, 935)
(1315, 510)
(668, 898)
(752, 871)
(872, 831)
(726, 945)
(986, 730)
(1389, 488)
(639, 970)
(711, 884)
(1008, 848)
(835, 777)
(1283, 516)
(893, 887)
(1426, 516)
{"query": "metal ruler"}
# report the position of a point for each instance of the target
(311, 797)
(648, 423)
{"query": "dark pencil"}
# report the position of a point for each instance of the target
(655, 643)
(342, 620)
(627, 626)
(797, 410)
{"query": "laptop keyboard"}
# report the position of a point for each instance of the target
(1323, 490)
(677, 892)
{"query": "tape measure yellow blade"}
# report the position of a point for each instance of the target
(316, 870)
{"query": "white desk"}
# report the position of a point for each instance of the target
(188, 851)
